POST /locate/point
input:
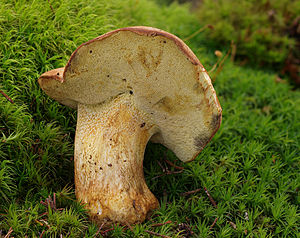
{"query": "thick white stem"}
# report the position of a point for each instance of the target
(109, 151)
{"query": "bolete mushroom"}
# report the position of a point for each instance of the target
(130, 86)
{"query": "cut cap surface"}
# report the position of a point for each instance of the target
(163, 76)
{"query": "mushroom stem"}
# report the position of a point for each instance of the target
(109, 151)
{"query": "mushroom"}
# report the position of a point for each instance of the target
(131, 85)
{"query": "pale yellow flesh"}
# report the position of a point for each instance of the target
(177, 94)
(109, 151)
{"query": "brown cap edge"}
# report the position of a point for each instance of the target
(212, 135)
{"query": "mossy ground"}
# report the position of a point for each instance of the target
(251, 167)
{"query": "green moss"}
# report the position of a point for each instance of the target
(260, 29)
(250, 167)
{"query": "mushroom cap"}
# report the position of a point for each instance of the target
(164, 76)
